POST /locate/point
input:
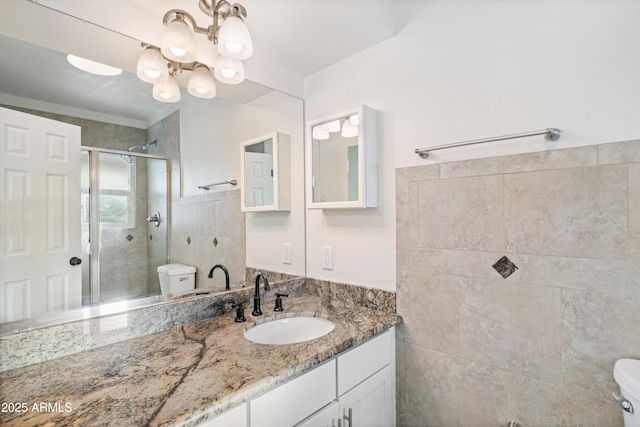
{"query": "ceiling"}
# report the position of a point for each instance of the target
(292, 39)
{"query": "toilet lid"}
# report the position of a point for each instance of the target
(626, 372)
(176, 269)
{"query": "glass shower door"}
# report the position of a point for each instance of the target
(123, 192)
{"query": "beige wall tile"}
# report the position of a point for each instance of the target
(544, 160)
(431, 313)
(461, 213)
(512, 326)
(634, 211)
(611, 276)
(557, 325)
(573, 212)
(598, 329)
(536, 403)
(457, 262)
(444, 390)
(619, 152)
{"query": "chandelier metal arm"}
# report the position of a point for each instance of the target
(222, 8)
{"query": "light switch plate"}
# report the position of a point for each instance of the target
(286, 253)
(327, 258)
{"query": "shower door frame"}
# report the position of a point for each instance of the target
(94, 214)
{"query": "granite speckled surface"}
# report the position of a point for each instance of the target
(180, 376)
(57, 340)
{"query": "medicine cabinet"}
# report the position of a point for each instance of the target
(266, 174)
(342, 161)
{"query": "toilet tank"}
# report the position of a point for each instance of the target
(176, 278)
(626, 372)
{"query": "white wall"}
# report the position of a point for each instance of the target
(460, 70)
(211, 138)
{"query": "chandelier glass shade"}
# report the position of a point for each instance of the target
(202, 83)
(234, 40)
(152, 66)
(177, 51)
(230, 71)
(168, 91)
(178, 42)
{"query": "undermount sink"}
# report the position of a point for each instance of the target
(289, 330)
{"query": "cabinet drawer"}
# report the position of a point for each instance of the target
(358, 364)
(292, 402)
(236, 417)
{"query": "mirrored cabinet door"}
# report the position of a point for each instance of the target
(342, 160)
(265, 171)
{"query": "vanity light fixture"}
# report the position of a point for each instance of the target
(348, 128)
(160, 65)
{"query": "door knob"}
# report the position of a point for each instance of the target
(75, 261)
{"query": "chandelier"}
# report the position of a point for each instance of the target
(160, 65)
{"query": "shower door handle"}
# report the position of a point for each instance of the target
(154, 219)
(75, 261)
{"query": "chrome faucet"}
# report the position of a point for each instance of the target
(226, 275)
(256, 295)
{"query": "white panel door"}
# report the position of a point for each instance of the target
(258, 177)
(40, 216)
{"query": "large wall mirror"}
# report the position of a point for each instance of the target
(182, 146)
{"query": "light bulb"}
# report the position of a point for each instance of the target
(332, 126)
(320, 132)
(228, 72)
(234, 47)
(349, 130)
(178, 51)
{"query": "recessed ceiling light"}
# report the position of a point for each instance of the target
(92, 66)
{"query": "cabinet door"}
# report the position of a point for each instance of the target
(327, 417)
(236, 417)
(356, 365)
(372, 403)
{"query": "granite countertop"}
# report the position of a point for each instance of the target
(180, 376)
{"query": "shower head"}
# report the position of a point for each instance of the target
(127, 159)
(142, 148)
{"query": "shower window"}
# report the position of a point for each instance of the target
(117, 191)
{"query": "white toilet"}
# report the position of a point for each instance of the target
(175, 278)
(626, 372)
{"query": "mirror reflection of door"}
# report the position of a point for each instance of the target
(352, 173)
(258, 174)
(39, 235)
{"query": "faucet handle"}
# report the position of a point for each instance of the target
(239, 313)
(279, 302)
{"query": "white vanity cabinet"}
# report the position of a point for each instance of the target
(236, 417)
(295, 400)
(366, 387)
(354, 389)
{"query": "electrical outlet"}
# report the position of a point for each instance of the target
(286, 253)
(327, 258)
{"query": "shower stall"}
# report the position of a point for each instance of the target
(124, 211)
